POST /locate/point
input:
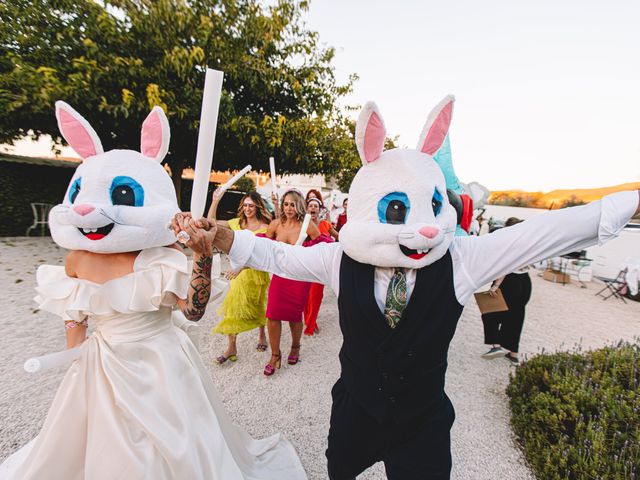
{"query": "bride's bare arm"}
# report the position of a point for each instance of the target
(75, 332)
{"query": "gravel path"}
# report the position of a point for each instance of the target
(296, 400)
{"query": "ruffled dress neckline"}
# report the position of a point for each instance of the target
(160, 276)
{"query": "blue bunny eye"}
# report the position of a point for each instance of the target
(394, 208)
(436, 202)
(75, 189)
(126, 191)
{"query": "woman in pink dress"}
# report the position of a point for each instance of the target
(287, 298)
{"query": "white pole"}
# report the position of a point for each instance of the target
(235, 178)
(52, 360)
(303, 230)
(272, 169)
(206, 140)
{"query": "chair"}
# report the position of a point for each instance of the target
(40, 217)
(614, 287)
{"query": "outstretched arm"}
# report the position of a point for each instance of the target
(213, 209)
(319, 263)
(484, 258)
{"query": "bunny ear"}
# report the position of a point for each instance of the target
(436, 127)
(77, 131)
(370, 133)
(154, 138)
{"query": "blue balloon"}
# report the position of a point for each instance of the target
(444, 160)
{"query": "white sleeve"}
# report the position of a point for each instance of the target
(319, 263)
(478, 260)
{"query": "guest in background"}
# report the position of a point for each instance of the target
(323, 213)
(316, 291)
(342, 218)
(502, 330)
(244, 306)
(287, 298)
(315, 208)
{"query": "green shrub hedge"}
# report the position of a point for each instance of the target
(23, 183)
(577, 415)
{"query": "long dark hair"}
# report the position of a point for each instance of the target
(512, 221)
(262, 214)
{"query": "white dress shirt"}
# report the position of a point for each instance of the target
(476, 260)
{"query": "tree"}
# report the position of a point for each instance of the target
(245, 184)
(343, 149)
(113, 61)
(572, 201)
(518, 199)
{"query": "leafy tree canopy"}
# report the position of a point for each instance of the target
(114, 60)
(245, 184)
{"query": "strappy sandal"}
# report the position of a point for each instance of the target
(221, 359)
(261, 347)
(293, 359)
(270, 369)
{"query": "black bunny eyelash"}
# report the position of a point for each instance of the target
(103, 213)
(444, 232)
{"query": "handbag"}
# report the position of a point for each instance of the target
(491, 304)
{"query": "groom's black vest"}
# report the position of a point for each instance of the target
(397, 375)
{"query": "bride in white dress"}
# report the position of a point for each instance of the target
(138, 403)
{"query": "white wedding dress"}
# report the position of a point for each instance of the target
(138, 403)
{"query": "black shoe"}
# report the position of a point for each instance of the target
(495, 352)
(513, 359)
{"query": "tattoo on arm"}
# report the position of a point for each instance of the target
(199, 289)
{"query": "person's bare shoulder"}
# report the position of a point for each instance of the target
(273, 228)
(74, 257)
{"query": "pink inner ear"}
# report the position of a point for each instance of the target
(373, 138)
(76, 135)
(151, 141)
(438, 130)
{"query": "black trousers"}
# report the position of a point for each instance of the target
(357, 441)
(505, 328)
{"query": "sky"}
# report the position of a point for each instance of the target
(547, 92)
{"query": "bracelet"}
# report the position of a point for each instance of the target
(73, 324)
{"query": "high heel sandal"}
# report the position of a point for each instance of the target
(221, 359)
(293, 359)
(270, 369)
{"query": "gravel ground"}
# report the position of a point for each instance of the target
(296, 400)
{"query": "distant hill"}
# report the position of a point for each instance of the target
(591, 194)
(555, 198)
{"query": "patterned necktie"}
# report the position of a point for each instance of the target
(396, 298)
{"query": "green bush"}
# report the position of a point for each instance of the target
(24, 183)
(577, 415)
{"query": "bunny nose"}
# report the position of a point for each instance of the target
(83, 209)
(429, 232)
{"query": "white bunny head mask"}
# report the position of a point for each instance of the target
(117, 201)
(399, 211)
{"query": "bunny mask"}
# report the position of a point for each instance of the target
(117, 201)
(399, 212)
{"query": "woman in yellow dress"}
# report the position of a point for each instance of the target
(244, 307)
